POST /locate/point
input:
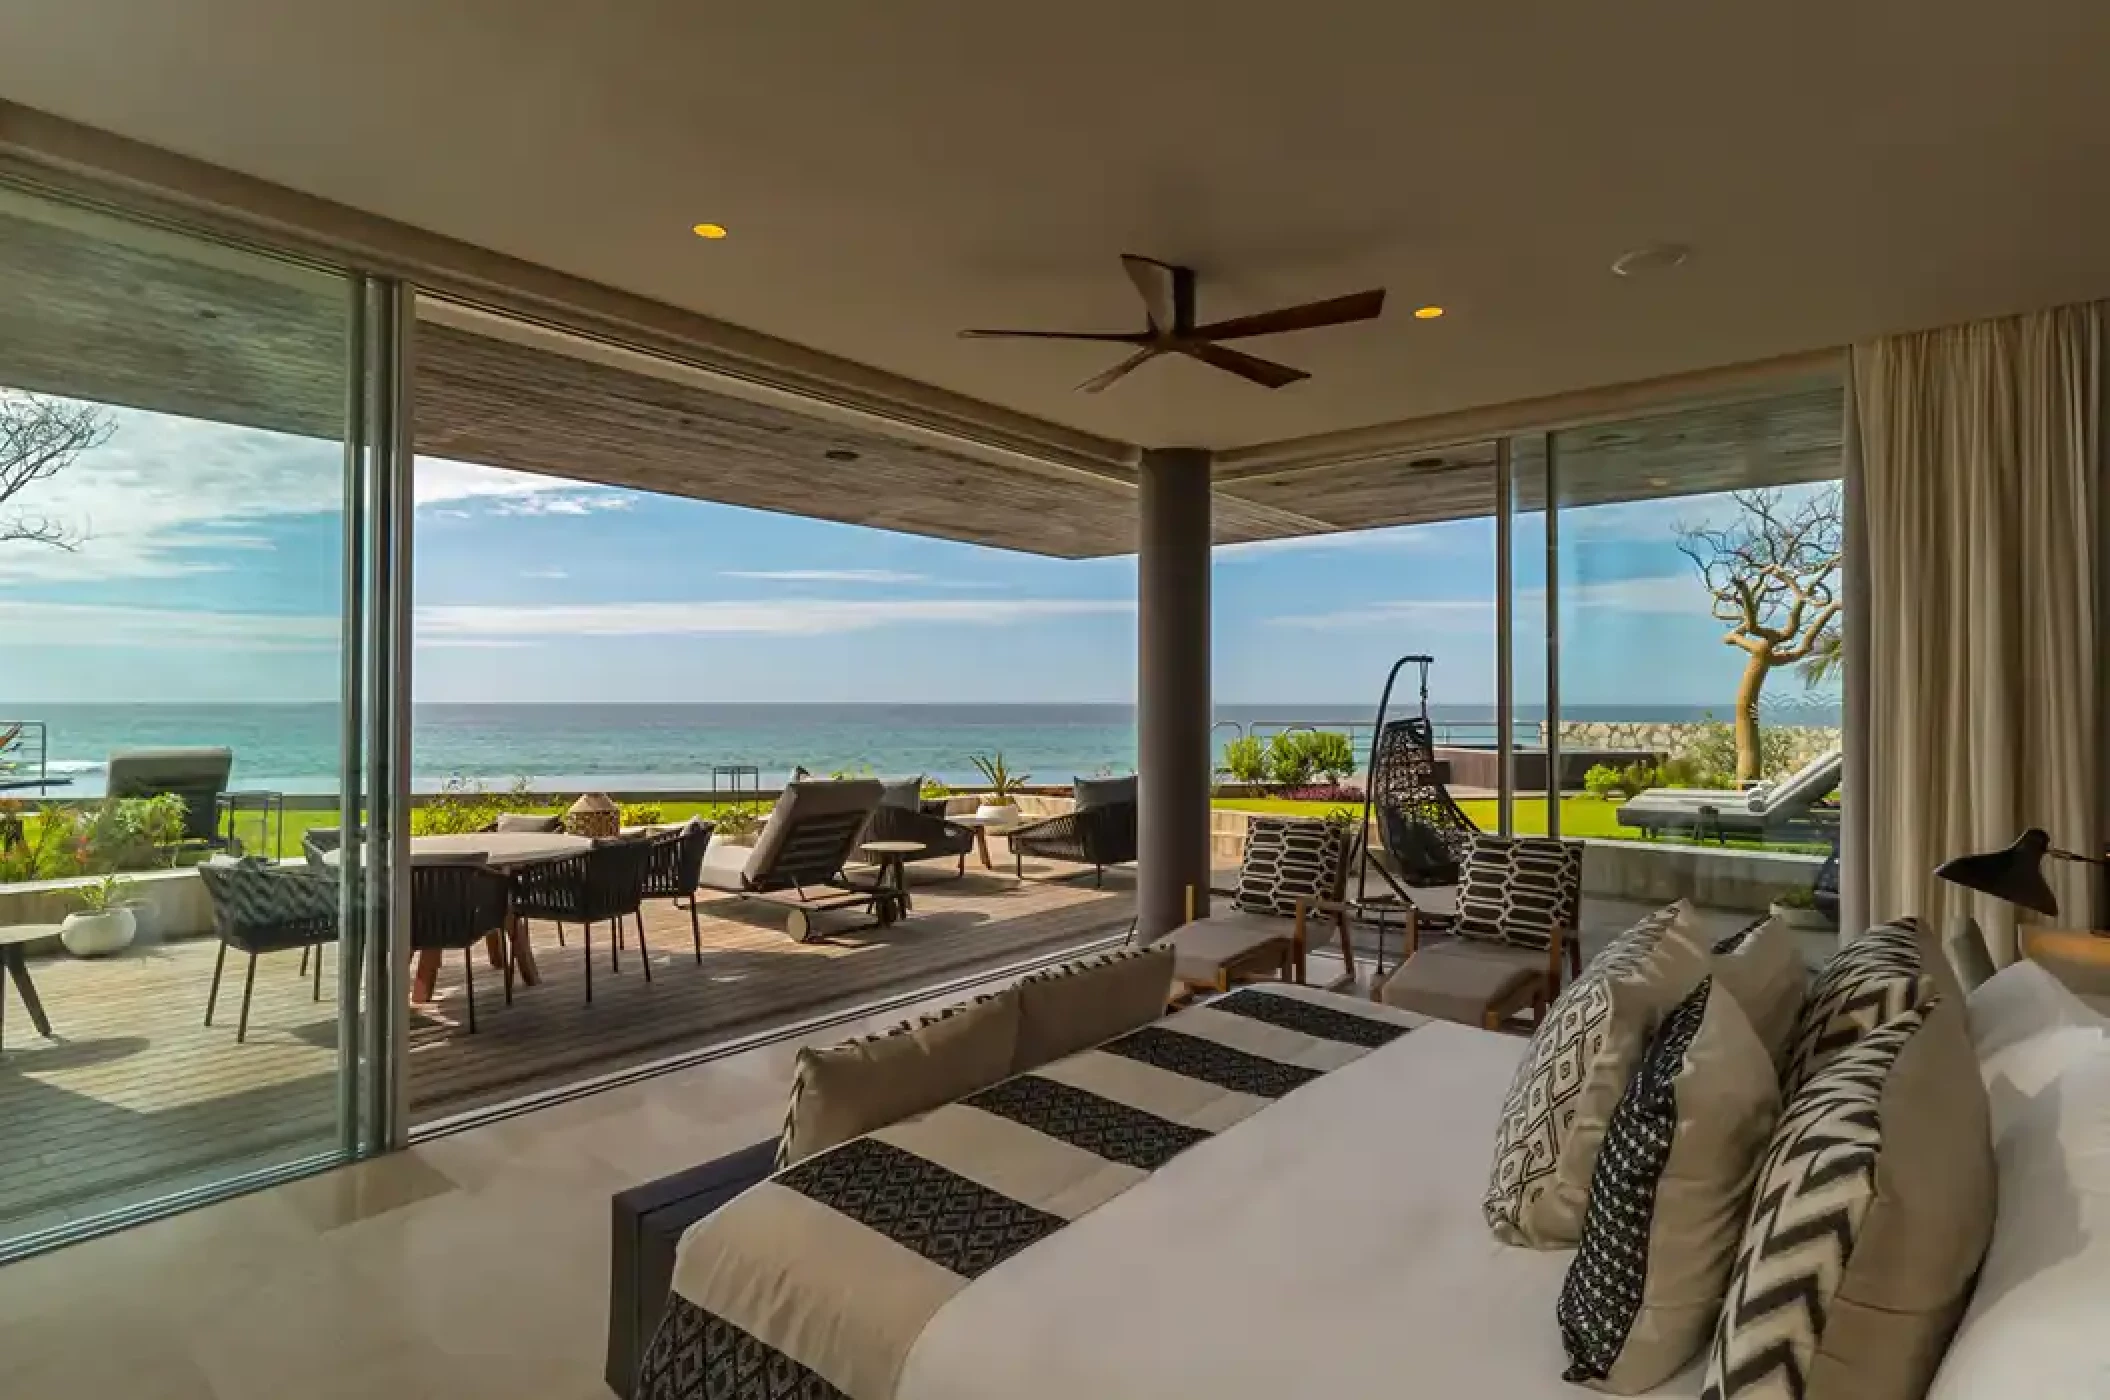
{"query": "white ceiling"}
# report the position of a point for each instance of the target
(893, 171)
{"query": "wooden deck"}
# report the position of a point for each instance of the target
(137, 1095)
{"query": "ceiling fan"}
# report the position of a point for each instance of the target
(1168, 302)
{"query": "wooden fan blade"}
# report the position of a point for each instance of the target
(1238, 362)
(1155, 281)
(1112, 337)
(1337, 311)
(1099, 382)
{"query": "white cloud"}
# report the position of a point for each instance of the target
(545, 573)
(1404, 539)
(164, 497)
(44, 625)
(826, 575)
(804, 617)
(1670, 595)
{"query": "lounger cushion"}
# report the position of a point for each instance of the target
(529, 822)
(1462, 981)
(804, 802)
(861, 1086)
(1205, 947)
(1762, 968)
(1668, 1197)
(1582, 1055)
(1081, 1004)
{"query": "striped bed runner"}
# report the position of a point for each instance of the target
(817, 1283)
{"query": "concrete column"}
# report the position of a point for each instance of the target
(1172, 684)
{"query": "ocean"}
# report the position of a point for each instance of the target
(668, 747)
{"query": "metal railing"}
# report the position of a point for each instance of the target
(1483, 734)
(24, 755)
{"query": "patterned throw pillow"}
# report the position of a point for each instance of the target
(1577, 1068)
(1872, 1211)
(1869, 982)
(1668, 1196)
(1519, 889)
(1285, 858)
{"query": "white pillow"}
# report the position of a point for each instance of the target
(2020, 1001)
(2036, 1325)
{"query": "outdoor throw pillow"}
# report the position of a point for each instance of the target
(1518, 889)
(1574, 1074)
(1287, 858)
(1103, 792)
(1873, 1208)
(906, 795)
(1078, 1005)
(1668, 1197)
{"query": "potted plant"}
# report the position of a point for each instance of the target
(1798, 910)
(1000, 803)
(104, 924)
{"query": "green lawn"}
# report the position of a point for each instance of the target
(1581, 815)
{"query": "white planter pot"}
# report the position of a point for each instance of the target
(99, 935)
(997, 812)
(1806, 920)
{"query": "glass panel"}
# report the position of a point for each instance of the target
(1699, 583)
(1530, 807)
(172, 491)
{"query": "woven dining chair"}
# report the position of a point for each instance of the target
(603, 885)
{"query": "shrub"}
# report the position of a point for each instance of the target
(639, 813)
(1323, 792)
(1245, 759)
(735, 823)
(1797, 898)
(1604, 781)
(1332, 754)
(933, 789)
(461, 807)
(1290, 760)
(133, 833)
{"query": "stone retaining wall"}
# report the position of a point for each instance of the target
(1675, 740)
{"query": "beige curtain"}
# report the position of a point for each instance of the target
(1982, 704)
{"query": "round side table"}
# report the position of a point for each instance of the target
(890, 886)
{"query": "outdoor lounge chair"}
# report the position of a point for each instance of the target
(1774, 809)
(198, 776)
(911, 820)
(1291, 876)
(809, 837)
(1422, 833)
(1100, 831)
(1519, 906)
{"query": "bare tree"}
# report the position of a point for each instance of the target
(1772, 574)
(39, 438)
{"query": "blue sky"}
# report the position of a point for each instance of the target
(209, 570)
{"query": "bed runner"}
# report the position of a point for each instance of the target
(817, 1283)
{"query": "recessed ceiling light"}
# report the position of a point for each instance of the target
(710, 231)
(1655, 257)
(841, 454)
(1427, 313)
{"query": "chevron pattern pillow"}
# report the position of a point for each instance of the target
(1869, 982)
(1873, 1207)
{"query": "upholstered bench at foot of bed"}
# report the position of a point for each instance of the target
(649, 1221)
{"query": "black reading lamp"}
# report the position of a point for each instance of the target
(2015, 874)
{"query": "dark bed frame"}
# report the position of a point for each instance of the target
(648, 1223)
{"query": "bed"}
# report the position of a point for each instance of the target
(1324, 1240)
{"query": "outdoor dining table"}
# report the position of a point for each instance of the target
(501, 850)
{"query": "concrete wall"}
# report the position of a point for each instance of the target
(170, 904)
(1807, 741)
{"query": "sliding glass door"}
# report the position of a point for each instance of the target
(193, 608)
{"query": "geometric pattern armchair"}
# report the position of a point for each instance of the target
(262, 908)
(1519, 906)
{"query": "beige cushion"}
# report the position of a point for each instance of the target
(1204, 947)
(860, 1086)
(1460, 981)
(1872, 1211)
(1763, 969)
(1580, 1059)
(1668, 1197)
(1086, 1003)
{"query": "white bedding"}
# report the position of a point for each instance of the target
(1330, 1245)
